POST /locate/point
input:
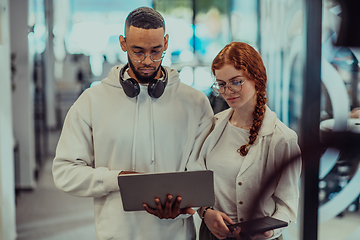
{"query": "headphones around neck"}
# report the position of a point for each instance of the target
(131, 87)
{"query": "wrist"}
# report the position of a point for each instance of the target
(203, 214)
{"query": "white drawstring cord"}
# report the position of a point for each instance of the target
(133, 161)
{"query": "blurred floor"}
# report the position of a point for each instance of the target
(46, 213)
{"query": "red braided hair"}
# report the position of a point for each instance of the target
(244, 57)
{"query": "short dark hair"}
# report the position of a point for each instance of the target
(145, 18)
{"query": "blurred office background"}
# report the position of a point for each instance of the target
(52, 50)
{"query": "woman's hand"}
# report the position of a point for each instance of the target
(264, 235)
(215, 221)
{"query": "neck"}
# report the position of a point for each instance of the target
(242, 118)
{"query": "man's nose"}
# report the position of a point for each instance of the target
(147, 60)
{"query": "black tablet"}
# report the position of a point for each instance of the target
(259, 225)
(196, 189)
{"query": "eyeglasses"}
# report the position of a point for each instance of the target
(155, 56)
(139, 56)
(234, 86)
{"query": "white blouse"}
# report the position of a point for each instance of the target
(226, 162)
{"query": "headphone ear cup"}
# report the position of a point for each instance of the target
(156, 88)
(131, 87)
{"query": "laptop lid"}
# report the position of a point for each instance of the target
(196, 189)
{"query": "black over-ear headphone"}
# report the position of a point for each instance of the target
(131, 87)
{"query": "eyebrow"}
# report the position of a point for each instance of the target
(141, 48)
(237, 76)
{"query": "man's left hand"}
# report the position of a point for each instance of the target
(170, 211)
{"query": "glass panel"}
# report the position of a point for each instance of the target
(281, 45)
(339, 216)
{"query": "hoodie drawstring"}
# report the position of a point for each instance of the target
(133, 163)
(152, 133)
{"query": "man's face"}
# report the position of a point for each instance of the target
(146, 41)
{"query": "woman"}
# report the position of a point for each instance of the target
(247, 146)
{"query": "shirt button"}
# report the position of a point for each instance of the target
(241, 202)
(240, 183)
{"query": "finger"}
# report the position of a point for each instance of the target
(187, 211)
(158, 207)
(219, 236)
(168, 205)
(223, 229)
(149, 210)
(268, 234)
(177, 205)
(264, 235)
(236, 233)
(226, 218)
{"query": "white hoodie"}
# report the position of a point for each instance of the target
(106, 132)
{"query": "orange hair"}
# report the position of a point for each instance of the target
(244, 57)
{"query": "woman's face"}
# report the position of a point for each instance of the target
(246, 98)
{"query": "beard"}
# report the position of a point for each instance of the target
(143, 78)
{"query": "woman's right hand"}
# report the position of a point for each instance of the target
(215, 221)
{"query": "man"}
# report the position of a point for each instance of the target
(140, 118)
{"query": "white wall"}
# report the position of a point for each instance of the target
(7, 193)
(22, 98)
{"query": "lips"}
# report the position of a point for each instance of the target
(146, 70)
(231, 99)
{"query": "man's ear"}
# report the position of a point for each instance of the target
(166, 39)
(122, 43)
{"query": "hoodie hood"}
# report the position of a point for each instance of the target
(113, 77)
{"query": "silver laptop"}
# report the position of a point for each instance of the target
(196, 189)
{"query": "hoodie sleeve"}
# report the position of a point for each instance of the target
(204, 128)
(73, 166)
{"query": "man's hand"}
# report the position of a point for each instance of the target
(170, 211)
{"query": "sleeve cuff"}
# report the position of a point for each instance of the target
(111, 181)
